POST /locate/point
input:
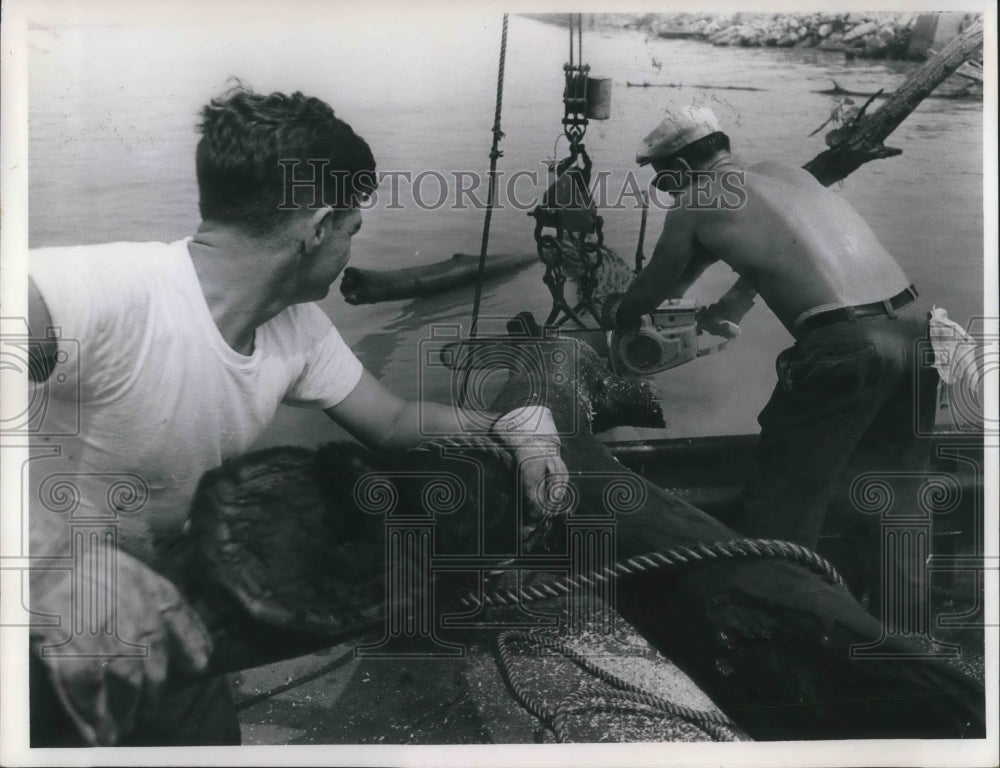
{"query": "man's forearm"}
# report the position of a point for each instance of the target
(737, 301)
(422, 420)
(639, 300)
(659, 281)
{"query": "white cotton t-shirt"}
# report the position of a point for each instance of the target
(148, 395)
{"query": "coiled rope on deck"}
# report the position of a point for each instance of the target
(616, 694)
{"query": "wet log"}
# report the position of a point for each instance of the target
(301, 541)
(862, 141)
(370, 286)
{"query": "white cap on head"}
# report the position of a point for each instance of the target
(678, 128)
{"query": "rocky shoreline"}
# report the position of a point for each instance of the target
(864, 35)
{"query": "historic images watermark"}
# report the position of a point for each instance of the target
(575, 564)
(310, 184)
(465, 510)
(472, 364)
(87, 589)
(931, 559)
(65, 567)
(59, 375)
(967, 360)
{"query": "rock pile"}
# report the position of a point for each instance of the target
(868, 35)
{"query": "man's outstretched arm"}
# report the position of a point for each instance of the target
(384, 421)
(675, 264)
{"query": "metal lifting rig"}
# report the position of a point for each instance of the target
(568, 206)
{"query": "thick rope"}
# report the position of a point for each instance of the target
(670, 558)
(615, 693)
(618, 695)
(495, 153)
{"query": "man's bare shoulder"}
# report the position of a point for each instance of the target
(782, 171)
(682, 214)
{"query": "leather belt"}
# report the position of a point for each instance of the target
(885, 307)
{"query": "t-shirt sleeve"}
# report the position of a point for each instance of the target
(331, 371)
(85, 302)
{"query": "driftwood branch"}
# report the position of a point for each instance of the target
(863, 142)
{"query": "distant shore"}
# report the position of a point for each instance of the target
(892, 35)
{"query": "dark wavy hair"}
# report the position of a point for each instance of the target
(245, 135)
(703, 149)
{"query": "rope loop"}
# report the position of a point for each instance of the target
(611, 693)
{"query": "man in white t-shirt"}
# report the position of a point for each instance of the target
(182, 353)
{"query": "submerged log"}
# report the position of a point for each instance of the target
(703, 87)
(302, 542)
(370, 286)
(964, 92)
(851, 147)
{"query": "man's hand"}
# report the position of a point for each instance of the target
(712, 320)
(609, 312)
(724, 316)
(531, 435)
(102, 681)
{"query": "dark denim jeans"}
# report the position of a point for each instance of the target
(849, 398)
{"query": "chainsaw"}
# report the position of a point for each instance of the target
(666, 337)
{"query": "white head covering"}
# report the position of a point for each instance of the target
(678, 128)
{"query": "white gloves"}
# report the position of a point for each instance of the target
(100, 681)
(530, 434)
(710, 320)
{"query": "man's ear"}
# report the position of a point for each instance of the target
(669, 180)
(316, 227)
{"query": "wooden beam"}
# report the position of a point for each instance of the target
(861, 142)
(370, 286)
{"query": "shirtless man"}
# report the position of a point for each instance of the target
(847, 385)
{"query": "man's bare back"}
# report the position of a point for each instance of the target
(802, 246)
(845, 390)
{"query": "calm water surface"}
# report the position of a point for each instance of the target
(113, 110)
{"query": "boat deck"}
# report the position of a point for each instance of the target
(337, 697)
